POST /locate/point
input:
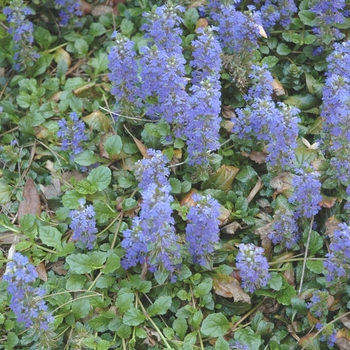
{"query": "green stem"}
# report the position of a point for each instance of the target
(152, 322)
(57, 47)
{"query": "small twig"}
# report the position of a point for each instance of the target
(305, 255)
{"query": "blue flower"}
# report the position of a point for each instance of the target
(338, 260)
(83, 224)
(307, 193)
(124, 71)
(152, 238)
(202, 230)
(72, 134)
(284, 229)
(21, 30)
(253, 266)
(26, 301)
(69, 9)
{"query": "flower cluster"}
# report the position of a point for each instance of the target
(336, 112)
(72, 134)
(277, 11)
(68, 9)
(307, 193)
(253, 266)
(328, 13)
(123, 71)
(203, 127)
(26, 301)
(21, 30)
(202, 230)
(276, 127)
(238, 32)
(163, 27)
(285, 230)
(152, 238)
(83, 224)
(338, 260)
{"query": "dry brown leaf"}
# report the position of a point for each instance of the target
(229, 287)
(42, 273)
(258, 157)
(327, 202)
(151, 334)
(264, 231)
(231, 228)
(53, 190)
(227, 125)
(331, 225)
(201, 23)
(76, 174)
(283, 184)
(85, 7)
(262, 32)
(101, 10)
(58, 267)
(31, 200)
(258, 186)
(277, 88)
(228, 112)
(343, 339)
(289, 273)
(62, 55)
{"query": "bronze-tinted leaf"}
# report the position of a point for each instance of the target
(228, 112)
(343, 339)
(277, 88)
(231, 228)
(58, 268)
(142, 148)
(309, 342)
(229, 287)
(327, 202)
(258, 157)
(85, 7)
(222, 179)
(201, 23)
(31, 200)
(98, 121)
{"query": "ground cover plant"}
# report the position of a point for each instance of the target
(174, 175)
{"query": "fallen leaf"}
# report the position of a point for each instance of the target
(262, 32)
(142, 148)
(53, 190)
(62, 55)
(101, 10)
(231, 228)
(229, 287)
(258, 157)
(222, 179)
(327, 202)
(42, 273)
(58, 267)
(228, 112)
(283, 184)
(258, 186)
(201, 23)
(85, 7)
(332, 224)
(277, 88)
(343, 339)
(31, 200)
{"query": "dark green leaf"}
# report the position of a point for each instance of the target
(180, 327)
(79, 263)
(133, 317)
(50, 236)
(113, 146)
(100, 177)
(160, 306)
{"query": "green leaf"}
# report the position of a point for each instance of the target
(124, 300)
(330, 184)
(86, 158)
(221, 344)
(100, 323)
(133, 317)
(160, 306)
(113, 263)
(180, 327)
(190, 18)
(126, 27)
(275, 281)
(82, 47)
(128, 204)
(246, 336)
(5, 192)
(105, 281)
(308, 17)
(97, 121)
(303, 102)
(284, 295)
(103, 212)
(316, 241)
(50, 236)
(79, 263)
(124, 331)
(215, 325)
(70, 199)
(175, 185)
(43, 37)
(100, 177)
(271, 61)
(75, 282)
(85, 187)
(203, 288)
(100, 63)
(299, 305)
(81, 308)
(315, 266)
(283, 49)
(139, 284)
(97, 29)
(113, 146)
(42, 63)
